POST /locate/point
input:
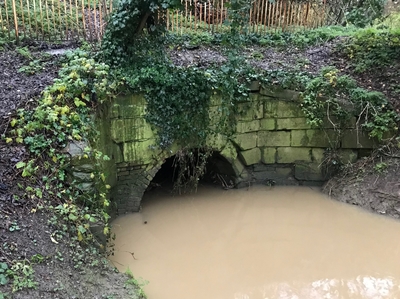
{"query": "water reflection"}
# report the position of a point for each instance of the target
(366, 287)
(259, 243)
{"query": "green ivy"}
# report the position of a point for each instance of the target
(338, 98)
(64, 114)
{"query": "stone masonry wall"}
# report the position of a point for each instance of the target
(273, 144)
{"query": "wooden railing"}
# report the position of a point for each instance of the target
(60, 20)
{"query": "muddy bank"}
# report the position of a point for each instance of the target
(371, 183)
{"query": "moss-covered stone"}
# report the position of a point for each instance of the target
(309, 172)
(296, 123)
(229, 152)
(277, 92)
(250, 110)
(314, 138)
(293, 154)
(357, 139)
(248, 126)
(270, 107)
(130, 106)
(273, 138)
(140, 153)
(267, 124)
(246, 141)
(268, 155)
(217, 142)
(289, 109)
(250, 157)
(131, 129)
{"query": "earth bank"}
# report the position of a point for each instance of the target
(32, 239)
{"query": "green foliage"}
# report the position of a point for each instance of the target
(137, 283)
(22, 276)
(363, 13)
(380, 167)
(3, 273)
(339, 98)
(123, 39)
(371, 49)
(65, 114)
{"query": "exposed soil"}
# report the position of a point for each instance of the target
(371, 183)
(26, 231)
(29, 236)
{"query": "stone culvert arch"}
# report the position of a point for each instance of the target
(133, 180)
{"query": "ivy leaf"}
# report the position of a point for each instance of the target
(20, 164)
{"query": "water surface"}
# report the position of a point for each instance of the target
(280, 242)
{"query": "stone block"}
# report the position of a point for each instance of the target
(76, 148)
(246, 141)
(238, 167)
(296, 123)
(263, 167)
(131, 106)
(250, 157)
(318, 155)
(215, 100)
(268, 155)
(82, 176)
(273, 138)
(283, 172)
(140, 152)
(217, 142)
(332, 121)
(274, 174)
(348, 156)
(314, 138)
(125, 130)
(357, 139)
(289, 109)
(276, 92)
(270, 107)
(309, 172)
(248, 126)
(267, 124)
(293, 154)
(250, 110)
(229, 152)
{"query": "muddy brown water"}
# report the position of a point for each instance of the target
(280, 242)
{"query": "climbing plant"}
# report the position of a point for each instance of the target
(337, 98)
(64, 114)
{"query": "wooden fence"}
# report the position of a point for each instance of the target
(60, 20)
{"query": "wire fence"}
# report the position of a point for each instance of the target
(63, 20)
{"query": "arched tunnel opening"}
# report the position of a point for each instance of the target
(180, 168)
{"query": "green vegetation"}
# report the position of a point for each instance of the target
(133, 59)
(339, 98)
(373, 48)
(138, 283)
(64, 113)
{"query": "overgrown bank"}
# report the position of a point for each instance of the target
(178, 93)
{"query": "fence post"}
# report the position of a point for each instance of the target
(15, 21)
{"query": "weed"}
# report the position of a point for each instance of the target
(14, 226)
(24, 52)
(380, 167)
(21, 273)
(3, 273)
(137, 283)
(32, 68)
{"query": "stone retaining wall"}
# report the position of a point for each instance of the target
(273, 144)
